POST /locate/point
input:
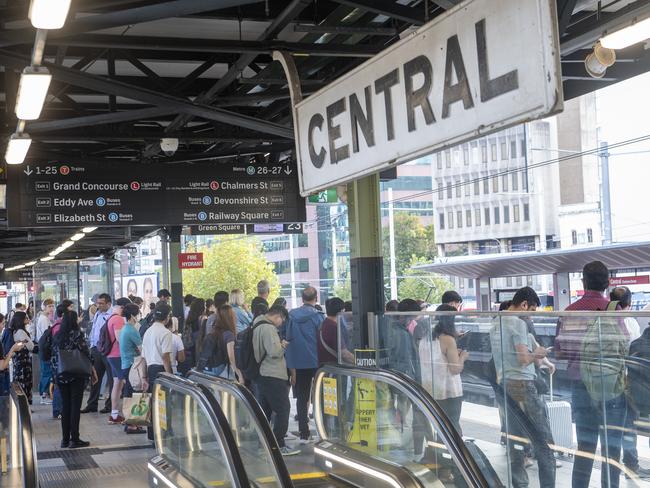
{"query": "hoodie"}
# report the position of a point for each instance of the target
(302, 333)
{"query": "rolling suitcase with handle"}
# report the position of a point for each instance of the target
(559, 416)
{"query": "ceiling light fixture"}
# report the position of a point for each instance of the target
(637, 32)
(32, 90)
(599, 60)
(66, 245)
(78, 236)
(48, 14)
(31, 263)
(88, 230)
(17, 148)
(48, 258)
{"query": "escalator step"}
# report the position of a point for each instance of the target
(92, 477)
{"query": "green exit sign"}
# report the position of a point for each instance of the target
(327, 196)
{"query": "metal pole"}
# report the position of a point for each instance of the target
(164, 246)
(605, 208)
(294, 301)
(391, 240)
(335, 264)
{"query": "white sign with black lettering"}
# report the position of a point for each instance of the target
(482, 66)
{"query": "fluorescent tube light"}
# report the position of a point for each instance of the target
(32, 90)
(48, 14)
(48, 258)
(78, 236)
(67, 244)
(17, 148)
(31, 263)
(637, 32)
(88, 230)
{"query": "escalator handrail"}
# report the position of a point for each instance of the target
(26, 432)
(421, 400)
(249, 400)
(216, 417)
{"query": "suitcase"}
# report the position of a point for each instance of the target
(559, 416)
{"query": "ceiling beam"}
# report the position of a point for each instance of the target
(388, 8)
(148, 13)
(179, 105)
(345, 29)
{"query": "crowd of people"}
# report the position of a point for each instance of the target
(276, 352)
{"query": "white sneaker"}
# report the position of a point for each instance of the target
(287, 451)
(291, 436)
(306, 440)
(45, 401)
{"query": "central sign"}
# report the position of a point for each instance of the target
(482, 66)
(72, 195)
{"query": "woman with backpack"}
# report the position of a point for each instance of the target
(22, 360)
(69, 338)
(218, 355)
(190, 333)
(5, 357)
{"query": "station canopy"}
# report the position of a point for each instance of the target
(615, 257)
(127, 73)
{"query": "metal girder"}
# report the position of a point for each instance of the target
(143, 68)
(344, 29)
(389, 8)
(565, 9)
(280, 22)
(131, 16)
(216, 45)
(91, 120)
(176, 104)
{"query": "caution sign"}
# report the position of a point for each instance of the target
(364, 429)
(330, 397)
(162, 409)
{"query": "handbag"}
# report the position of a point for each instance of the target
(137, 409)
(74, 363)
(138, 374)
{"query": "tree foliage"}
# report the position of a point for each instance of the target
(412, 239)
(231, 262)
(343, 290)
(420, 285)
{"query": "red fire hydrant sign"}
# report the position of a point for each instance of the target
(190, 260)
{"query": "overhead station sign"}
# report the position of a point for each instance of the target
(58, 194)
(482, 66)
(218, 229)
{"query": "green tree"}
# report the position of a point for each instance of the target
(412, 239)
(231, 262)
(420, 285)
(343, 290)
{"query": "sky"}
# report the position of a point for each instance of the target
(623, 114)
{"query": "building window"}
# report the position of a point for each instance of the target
(477, 216)
(590, 235)
(506, 214)
(495, 184)
(449, 192)
(515, 181)
(493, 149)
(450, 220)
(301, 266)
(574, 237)
(486, 213)
(515, 213)
(458, 188)
(484, 157)
(523, 148)
(504, 183)
(497, 216)
(441, 191)
(468, 218)
(466, 155)
(448, 159)
(459, 219)
(486, 186)
(439, 160)
(468, 188)
(513, 149)
(441, 219)
(504, 150)
(526, 212)
(477, 188)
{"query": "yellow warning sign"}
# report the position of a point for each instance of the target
(162, 409)
(330, 397)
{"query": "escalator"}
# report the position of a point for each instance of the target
(369, 421)
(18, 467)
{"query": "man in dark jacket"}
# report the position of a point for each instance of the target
(302, 354)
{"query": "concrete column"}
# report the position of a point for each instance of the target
(483, 291)
(175, 273)
(561, 291)
(366, 262)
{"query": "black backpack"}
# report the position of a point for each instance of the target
(104, 344)
(45, 345)
(214, 352)
(638, 366)
(245, 353)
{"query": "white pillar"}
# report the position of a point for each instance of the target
(391, 238)
(294, 300)
(335, 264)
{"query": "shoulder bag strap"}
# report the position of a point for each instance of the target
(325, 346)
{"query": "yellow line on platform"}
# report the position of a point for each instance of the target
(270, 479)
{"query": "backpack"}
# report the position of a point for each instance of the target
(638, 365)
(45, 345)
(7, 340)
(213, 354)
(104, 344)
(245, 353)
(602, 357)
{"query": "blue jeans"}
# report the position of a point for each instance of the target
(57, 402)
(590, 419)
(46, 378)
(630, 453)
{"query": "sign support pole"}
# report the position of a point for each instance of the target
(175, 274)
(366, 262)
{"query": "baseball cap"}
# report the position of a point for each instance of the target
(162, 311)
